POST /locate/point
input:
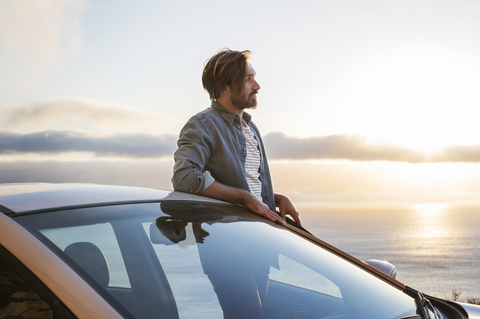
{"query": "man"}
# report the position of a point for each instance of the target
(220, 152)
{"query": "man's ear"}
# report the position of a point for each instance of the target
(225, 92)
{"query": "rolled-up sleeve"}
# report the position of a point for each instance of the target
(195, 145)
(208, 179)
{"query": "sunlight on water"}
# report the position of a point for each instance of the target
(433, 245)
(431, 221)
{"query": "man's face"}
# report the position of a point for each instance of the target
(248, 98)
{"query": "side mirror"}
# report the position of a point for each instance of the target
(383, 266)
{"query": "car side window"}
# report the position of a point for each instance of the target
(17, 299)
(100, 235)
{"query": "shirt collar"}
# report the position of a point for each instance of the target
(228, 115)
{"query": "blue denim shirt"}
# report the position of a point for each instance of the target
(212, 146)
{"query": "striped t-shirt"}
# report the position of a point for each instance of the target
(252, 162)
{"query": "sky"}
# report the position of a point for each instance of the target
(361, 102)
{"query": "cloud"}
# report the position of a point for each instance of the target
(84, 115)
(152, 173)
(349, 147)
(279, 147)
(118, 145)
(360, 148)
(36, 39)
(458, 153)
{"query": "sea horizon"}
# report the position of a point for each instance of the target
(432, 245)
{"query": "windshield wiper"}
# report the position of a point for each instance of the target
(423, 304)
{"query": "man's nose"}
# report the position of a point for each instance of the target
(256, 86)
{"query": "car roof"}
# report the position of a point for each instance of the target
(36, 197)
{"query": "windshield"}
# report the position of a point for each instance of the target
(187, 259)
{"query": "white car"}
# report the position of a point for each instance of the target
(91, 251)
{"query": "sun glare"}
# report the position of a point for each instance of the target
(431, 223)
(429, 210)
(421, 98)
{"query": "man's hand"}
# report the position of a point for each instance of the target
(260, 208)
(241, 196)
(286, 207)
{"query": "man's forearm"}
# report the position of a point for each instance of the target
(226, 193)
(240, 196)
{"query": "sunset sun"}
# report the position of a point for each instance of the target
(420, 98)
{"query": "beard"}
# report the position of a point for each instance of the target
(244, 102)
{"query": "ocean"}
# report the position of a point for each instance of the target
(435, 248)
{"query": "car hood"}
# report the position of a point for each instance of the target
(472, 310)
